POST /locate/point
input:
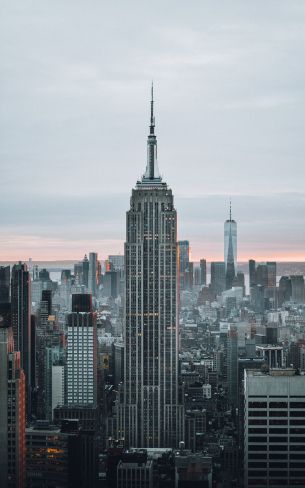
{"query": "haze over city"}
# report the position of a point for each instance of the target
(229, 91)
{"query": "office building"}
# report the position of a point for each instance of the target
(230, 250)
(232, 366)
(53, 456)
(81, 352)
(93, 273)
(297, 288)
(271, 273)
(184, 262)
(218, 277)
(252, 273)
(21, 321)
(203, 272)
(5, 275)
(12, 413)
(274, 441)
(135, 470)
(152, 413)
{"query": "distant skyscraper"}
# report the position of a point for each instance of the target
(93, 269)
(12, 414)
(82, 353)
(184, 261)
(232, 364)
(4, 284)
(230, 250)
(153, 415)
(271, 272)
(218, 277)
(21, 321)
(297, 287)
(285, 290)
(85, 271)
(252, 273)
(203, 272)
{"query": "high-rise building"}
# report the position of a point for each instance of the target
(85, 271)
(184, 261)
(252, 273)
(218, 277)
(5, 275)
(274, 441)
(12, 413)
(285, 290)
(21, 321)
(232, 366)
(230, 250)
(82, 353)
(93, 270)
(297, 288)
(271, 273)
(203, 272)
(152, 412)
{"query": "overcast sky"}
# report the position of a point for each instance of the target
(74, 111)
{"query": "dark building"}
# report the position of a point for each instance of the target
(297, 289)
(252, 273)
(21, 321)
(12, 413)
(82, 302)
(89, 423)
(262, 275)
(285, 290)
(271, 273)
(203, 272)
(53, 456)
(46, 296)
(218, 277)
(5, 275)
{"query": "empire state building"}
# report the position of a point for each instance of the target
(149, 411)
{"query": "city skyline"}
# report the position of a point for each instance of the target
(73, 129)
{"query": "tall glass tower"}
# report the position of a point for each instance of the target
(149, 412)
(230, 250)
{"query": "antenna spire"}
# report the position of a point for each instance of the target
(230, 210)
(152, 118)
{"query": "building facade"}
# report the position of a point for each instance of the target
(274, 439)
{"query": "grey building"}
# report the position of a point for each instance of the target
(230, 250)
(150, 413)
(93, 271)
(218, 277)
(274, 440)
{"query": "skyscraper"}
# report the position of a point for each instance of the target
(230, 250)
(92, 279)
(21, 321)
(12, 413)
(203, 272)
(153, 416)
(82, 353)
(218, 277)
(184, 261)
(4, 284)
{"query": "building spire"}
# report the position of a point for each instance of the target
(151, 174)
(230, 210)
(152, 118)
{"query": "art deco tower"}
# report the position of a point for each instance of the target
(150, 408)
(230, 250)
